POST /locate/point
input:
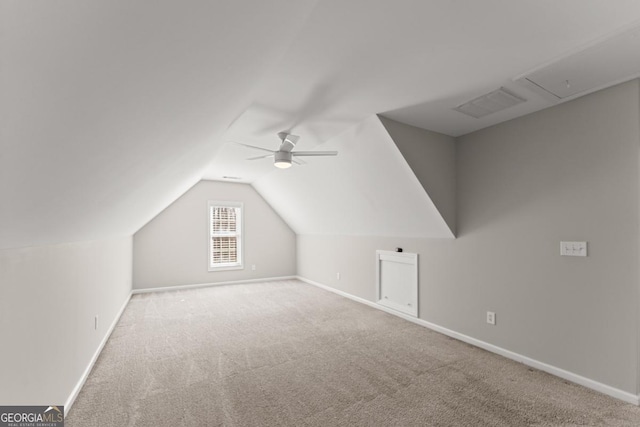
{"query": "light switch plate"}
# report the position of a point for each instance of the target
(573, 248)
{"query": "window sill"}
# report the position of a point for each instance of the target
(226, 267)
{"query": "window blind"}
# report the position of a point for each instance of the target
(224, 220)
(225, 250)
(225, 235)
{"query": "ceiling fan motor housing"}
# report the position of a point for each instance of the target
(282, 158)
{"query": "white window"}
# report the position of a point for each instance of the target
(225, 235)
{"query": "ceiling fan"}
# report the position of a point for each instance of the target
(284, 156)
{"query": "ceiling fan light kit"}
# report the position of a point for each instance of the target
(283, 157)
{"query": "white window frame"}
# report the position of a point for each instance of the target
(239, 234)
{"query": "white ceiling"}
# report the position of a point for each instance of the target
(112, 109)
(412, 61)
(371, 190)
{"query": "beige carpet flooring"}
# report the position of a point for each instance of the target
(289, 354)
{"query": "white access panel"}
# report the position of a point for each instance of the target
(604, 63)
(397, 281)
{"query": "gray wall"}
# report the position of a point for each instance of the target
(432, 158)
(172, 248)
(48, 299)
(564, 173)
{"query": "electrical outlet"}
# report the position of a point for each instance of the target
(573, 248)
(95, 323)
(338, 276)
(491, 318)
(253, 267)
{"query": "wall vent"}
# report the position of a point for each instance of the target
(490, 103)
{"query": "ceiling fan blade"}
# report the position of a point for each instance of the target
(260, 157)
(253, 146)
(298, 161)
(315, 153)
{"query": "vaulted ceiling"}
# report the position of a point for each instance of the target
(371, 190)
(112, 109)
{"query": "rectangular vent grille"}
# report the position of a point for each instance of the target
(490, 103)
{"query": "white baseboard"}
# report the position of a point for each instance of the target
(569, 376)
(205, 285)
(76, 390)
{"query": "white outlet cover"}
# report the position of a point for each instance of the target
(573, 248)
(491, 317)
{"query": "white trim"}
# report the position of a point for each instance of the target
(76, 390)
(227, 267)
(205, 285)
(239, 265)
(83, 378)
(570, 376)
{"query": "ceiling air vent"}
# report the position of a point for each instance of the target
(490, 103)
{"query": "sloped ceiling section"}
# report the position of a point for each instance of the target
(432, 158)
(367, 190)
(111, 109)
